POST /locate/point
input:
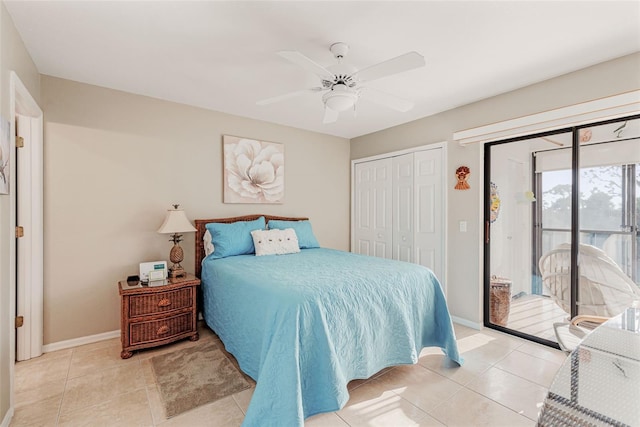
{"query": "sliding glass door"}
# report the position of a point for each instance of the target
(561, 226)
(608, 213)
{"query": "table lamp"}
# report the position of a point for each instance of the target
(175, 223)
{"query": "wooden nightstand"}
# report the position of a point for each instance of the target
(157, 315)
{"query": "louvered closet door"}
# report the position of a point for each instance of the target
(403, 208)
(372, 208)
(429, 224)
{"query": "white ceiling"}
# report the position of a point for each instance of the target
(221, 55)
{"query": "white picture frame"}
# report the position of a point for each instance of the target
(5, 155)
(253, 171)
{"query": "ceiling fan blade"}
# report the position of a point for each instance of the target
(386, 100)
(288, 95)
(330, 116)
(306, 63)
(399, 64)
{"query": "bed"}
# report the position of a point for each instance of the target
(303, 325)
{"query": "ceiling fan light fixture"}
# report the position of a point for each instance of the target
(342, 82)
(340, 98)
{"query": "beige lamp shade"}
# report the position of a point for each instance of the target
(176, 222)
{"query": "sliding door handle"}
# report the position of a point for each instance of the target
(486, 232)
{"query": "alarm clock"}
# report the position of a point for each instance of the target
(153, 271)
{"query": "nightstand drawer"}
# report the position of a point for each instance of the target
(154, 330)
(142, 305)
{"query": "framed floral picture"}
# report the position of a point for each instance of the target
(253, 171)
(5, 141)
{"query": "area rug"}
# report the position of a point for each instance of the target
(195, 376)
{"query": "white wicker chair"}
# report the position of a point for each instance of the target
(604, 290)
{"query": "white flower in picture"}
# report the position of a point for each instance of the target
(5, 136)
(253, 171)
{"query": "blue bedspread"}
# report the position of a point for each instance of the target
(303, 325)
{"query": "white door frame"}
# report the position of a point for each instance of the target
(27, 281)
(445, 183)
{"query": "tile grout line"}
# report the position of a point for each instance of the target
(462, 386)
(495, 401)
(523, 378)
(442, 403)
(495, 365)
(541, 358)
(64, 390)
(238, 406)
(233, 396)
(95, 404)
(146, 389)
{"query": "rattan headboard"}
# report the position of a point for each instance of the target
(200, 230)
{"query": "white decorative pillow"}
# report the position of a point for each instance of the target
(275, 242)
(208, 243)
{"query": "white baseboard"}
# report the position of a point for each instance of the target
(61, 345)
(7, 418)
(467, 323)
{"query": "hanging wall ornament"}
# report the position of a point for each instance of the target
(585, 135)
(495, 202)
(462, 173)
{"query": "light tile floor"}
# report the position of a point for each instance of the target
(535, 315)
(502, 383)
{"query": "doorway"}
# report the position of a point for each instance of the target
(561, 226)
(27, 299)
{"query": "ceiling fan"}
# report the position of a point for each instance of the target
(344, 84)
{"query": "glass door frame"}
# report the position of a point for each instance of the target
(575, 220)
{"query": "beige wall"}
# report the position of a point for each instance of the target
(115, 162)
(464, 253)
(13, 57)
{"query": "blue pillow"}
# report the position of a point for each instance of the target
(233, 238)
(306, 238)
